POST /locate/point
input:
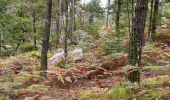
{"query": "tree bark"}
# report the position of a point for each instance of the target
(34, 25)
(66, 36)
(118, 9)
(128, 15)
(155, 20)
(45, 42)
(161, 10)
(137, 38)
(150, 20)
(107, 16)
(72, 22)
(58, 23)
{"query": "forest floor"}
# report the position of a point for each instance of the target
(89, 79)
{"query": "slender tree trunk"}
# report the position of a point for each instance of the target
(155, 19)
(66, 36)
(34, 27)
(150, 20)
(72, 22)
(137, 38)
(132, 9)
(45, 42)
(118, 9)
(107, 16)
(58, 22)
(74, 15)
(128, 15)
(161, 10)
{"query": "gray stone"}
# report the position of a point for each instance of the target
(57, 57)
(77, 54)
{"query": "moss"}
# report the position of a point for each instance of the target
(26, 47)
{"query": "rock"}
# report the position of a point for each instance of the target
(80, 36)
(77, 54)
(57, 57)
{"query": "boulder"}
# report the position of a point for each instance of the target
(57, 57)
(77, 54)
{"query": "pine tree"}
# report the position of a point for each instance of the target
(137, 39)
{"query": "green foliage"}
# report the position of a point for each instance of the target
(149, 46)
(8, 88)
(167, 32)
(34, 54)
(153, 67)
(152, 95)
(155, 82)
(118, 92)
(38, 88)
(26, 47)
(61, 79)
(167, 10)
(94, 27)
(112, 44)
(87, 95)
(94, 8)
(8, 52)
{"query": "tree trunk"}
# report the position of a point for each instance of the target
(66, 36)
(45, 42)
(72, 22)
(34, 27)
(107, 16)
(161, 10)
(128, 15)
(151, 18)
(74, 15)
(58, 22)
(118, 9)
(137, 38)
(155, 20)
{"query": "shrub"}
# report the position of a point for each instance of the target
(8, 52)
(26, 47)
(35, 54)
(94, 28)
(112, 44)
